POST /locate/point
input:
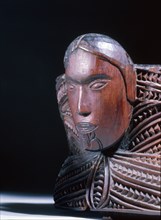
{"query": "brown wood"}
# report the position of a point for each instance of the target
(111, 109)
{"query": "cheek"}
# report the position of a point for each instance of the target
(111, 100)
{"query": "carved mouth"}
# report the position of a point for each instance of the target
(85, 127)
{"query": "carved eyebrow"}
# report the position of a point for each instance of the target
(89, 79)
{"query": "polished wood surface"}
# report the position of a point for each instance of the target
(111, 109)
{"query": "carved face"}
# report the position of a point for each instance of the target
(97, 99)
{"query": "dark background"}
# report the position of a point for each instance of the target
(34, 36)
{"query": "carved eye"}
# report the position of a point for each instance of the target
(98, 84)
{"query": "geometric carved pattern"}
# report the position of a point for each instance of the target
(134, 185)
(136, 172)
(130, 178)
(145, 132)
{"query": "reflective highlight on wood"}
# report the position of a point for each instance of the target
(111, 109)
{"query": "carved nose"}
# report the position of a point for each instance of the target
(83, 103)
(84, 114)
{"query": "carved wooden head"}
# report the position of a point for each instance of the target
(98, 101)
(100, 87)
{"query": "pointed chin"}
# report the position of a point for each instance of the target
(102, 138)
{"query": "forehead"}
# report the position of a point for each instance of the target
(83, 64)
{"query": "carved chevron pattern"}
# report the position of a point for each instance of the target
(148, 84)
(147, 134)
(144, 111)
(115, 205)
(135, 173)
(70, 187)
(132, 178)
(98, 185)
(148, 160)
(143, 93)
(131, 197)
(144, 75)
(145, 129)
(155, 149)
(135, 186)
(142, 160)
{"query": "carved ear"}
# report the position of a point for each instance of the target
(130, 81)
